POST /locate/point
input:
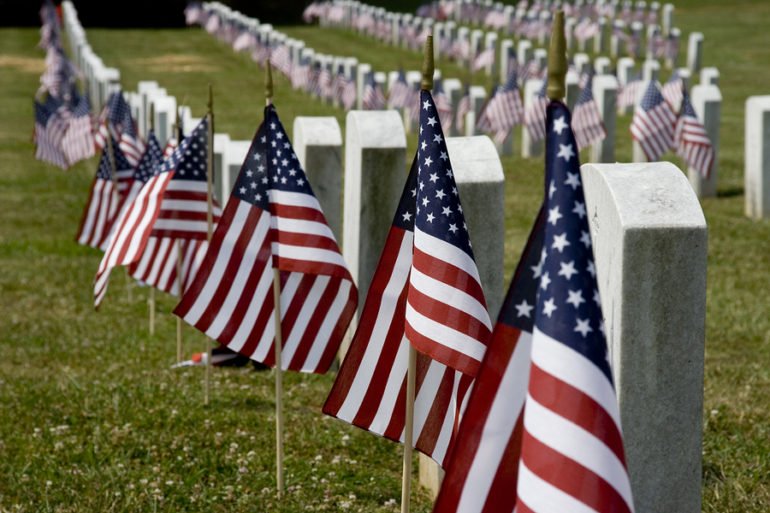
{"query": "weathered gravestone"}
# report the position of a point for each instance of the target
(695, 52)
(707, 102)
(709, 76)
(650, 247)
(478, 96)
(165, 116)
(318, 144)
(605, 90)
(481, 184)
(757, 157)
(375, 170)
(530, 147)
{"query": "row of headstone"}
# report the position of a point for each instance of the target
(100, 80)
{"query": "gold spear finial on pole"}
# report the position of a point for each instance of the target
(268, 83)
(427, 65)
(557, 59)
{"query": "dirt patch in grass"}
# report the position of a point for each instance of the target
(176, 63)
(23, 64)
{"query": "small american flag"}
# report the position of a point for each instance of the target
(78, 141)
(505, 110)
(587, 121)
(299, 76)
(628, 93)
(49, 131)
(135, 222)
(534, 116)
(273, 220)
(463, 108)
(653, 123)
(446, 314)
(116, 120)
(443, 104)
(672, 46)
(280, 58)
(485, 58)
(691, 140)
(482, 470)
(369, 389)
(372, 97)
(570, 404)
(399, 92)
(673, 91)
(105, 199)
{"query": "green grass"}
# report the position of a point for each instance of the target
(92, 418)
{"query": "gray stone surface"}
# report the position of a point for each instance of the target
(507, 50)
(707, 102)
(650, 248)
(650, 70)
(375, 171)
(605, 89)
(524, 51)
(318, 144)
(530, 148)
(232, 160)
(637, 30)
(363, 71)
(695, 52)
(667, 17)
(165, 116)
(490, 41)
(454, 90)
(602, 39)
(757, 157)
(573, 88)
(582, 62)
(709, 76)
(222, 182)
(603, 66)
(617, 44)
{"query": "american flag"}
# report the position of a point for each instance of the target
(463, 108)
(324, 84)
(572, 455)
(691, 140)
(628, 93)
(78, 141)
(443, 104)
(300, 76)
(446, 314)
(369, 391)
(586, 29)
(653, 123)
(399, 92)
(534, 116)
(672, 46)
(485, 58)
(49, 131)
(193, 13)
(245, 41)
(587, 121)
(105, 199)
(481, 472)
(673, 91)
(505, 110)
(135, 222)
(273, 220)
(280, 58)
(372, 97)
(116, 120)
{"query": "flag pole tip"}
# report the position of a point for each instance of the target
(557, 59)
(427, 65)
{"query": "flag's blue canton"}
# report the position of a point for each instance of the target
(512, 84)
(42, 114)
(252, 183)
(519, 307)
(153, 155)
(120, 114)
(286, 174)
(687, 108)
(82, 107)
(405, 212)
(439, 212)
(190, 157)
(105, 166)
(568, 304)
(587, 94)
(652, 97)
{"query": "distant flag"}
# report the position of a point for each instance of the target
(463, 108)
(653, 123)
(587, 120)
(280, 58)
(107, 193)
(399, 92)
(372, 97)
(135, 222)
(273, 219)
(49, 131)
(443, 104)
(446, 313)
(572, 455)
(78, 142)
(299, 76)
(673, 91)
(193, 13)
(505, 110)
(485, 58)
(629, 92)
(482, 470)
(671, 51)
(116, 120)
(534, 115)
(692, 141)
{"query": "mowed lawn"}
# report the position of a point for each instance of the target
(93, 419)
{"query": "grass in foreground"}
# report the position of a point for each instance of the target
(92, 419)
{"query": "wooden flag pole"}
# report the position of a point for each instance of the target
(278, 345)
(151, 299)
(209, 218)
(179, 349)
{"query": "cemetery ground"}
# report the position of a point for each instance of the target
(93, 419)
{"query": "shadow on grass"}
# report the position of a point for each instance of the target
(730, 192)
